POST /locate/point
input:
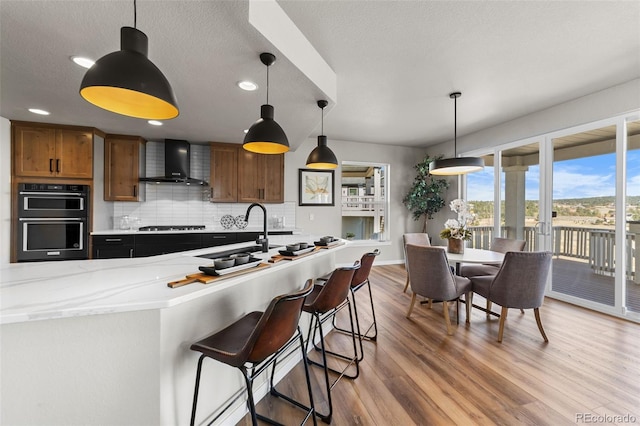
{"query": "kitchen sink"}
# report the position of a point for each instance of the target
(227, 253)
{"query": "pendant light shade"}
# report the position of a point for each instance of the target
(322, 157)
(127, 82)
(456, 165)
(265, 136)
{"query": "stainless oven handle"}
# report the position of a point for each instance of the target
(57, 219)
(74, 194)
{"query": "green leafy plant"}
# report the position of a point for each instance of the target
(350, 235)
(424, 199)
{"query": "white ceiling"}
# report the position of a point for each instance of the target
(395, 63)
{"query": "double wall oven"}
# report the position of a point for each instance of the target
(52, 222)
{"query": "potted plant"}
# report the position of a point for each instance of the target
(456, 231)
(424, 199)
(350, 235)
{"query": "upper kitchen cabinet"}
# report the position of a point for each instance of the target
(245, 177)
(260, 177)
(50, 151)
(223, 180)
(122, 167)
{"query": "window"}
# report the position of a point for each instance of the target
(365, 200)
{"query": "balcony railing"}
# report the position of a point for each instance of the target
(597, 246)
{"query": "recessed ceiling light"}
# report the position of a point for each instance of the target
(249, 86)
(155, 122)
(83, 62)
(38, 111)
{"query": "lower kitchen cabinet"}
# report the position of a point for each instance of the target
(151, 245)
(219, 239)
(112, 246)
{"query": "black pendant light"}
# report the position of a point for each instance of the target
(456, 165)
(127, 82)
(322, 157)
(265, 136)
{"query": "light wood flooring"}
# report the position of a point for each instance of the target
(417, 375)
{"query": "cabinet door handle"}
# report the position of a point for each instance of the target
(135, 190)
(113, 240)
(130, 252)
(58, 165)
(51, 165)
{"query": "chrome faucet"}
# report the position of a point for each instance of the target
(264, 241)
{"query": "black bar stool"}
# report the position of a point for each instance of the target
(360, 279)
(258, 339)
(323, 303)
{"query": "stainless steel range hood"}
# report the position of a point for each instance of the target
(177, 164)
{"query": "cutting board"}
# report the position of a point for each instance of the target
(206, 279)
(279, 257)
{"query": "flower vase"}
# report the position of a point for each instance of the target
(455, 245)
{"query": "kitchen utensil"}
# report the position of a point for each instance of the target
(293, 247)
(240, 258)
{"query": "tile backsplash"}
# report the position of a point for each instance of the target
(178, 204)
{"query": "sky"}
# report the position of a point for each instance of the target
(577, 178)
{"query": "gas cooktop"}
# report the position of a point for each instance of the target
(171, 228)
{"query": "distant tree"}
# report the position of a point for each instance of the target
(424, 199)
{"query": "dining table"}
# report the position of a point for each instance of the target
(473, 255)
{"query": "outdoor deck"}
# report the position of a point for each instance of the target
(576, 278)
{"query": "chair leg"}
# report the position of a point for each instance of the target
(447, 321)
(195, 392)
(468, 303)
(406, 285)
(536, 311)
(488, 308)
(503, 317)
(413, 301)
(429, 303)
(250, 402)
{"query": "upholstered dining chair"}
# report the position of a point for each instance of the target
(500, 245)
(432, 278)
(415, 238)
(519, 283)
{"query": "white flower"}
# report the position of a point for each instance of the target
(457, 228)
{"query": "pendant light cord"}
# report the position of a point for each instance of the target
(455, 127)
(135, 14)
(267, 84)
(322, 122)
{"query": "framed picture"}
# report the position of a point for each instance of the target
(316, 187)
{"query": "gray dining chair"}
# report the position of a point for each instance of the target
(519, 283)
(432, 278)
(415, 238)
(500, 245)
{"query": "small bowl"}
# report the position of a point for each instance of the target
(326, 239)
(240, 258)
(303, 245)
(223, 263)
(293, 247)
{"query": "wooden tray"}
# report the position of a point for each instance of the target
(279, 257)
(206, 279)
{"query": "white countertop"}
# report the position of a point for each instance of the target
(195, 231)
(59, 289)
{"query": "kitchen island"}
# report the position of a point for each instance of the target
(107, 341)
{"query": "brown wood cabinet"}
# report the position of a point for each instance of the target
(223, 178)
(241, 176)
(122, 167)
(260, 177)
(47, 151)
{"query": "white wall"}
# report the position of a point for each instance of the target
(596, 106)
(5, 189)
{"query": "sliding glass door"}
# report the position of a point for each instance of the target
(575, 193)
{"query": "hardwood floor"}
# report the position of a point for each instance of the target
(417, 375)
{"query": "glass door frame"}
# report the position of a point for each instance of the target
(546, 201)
